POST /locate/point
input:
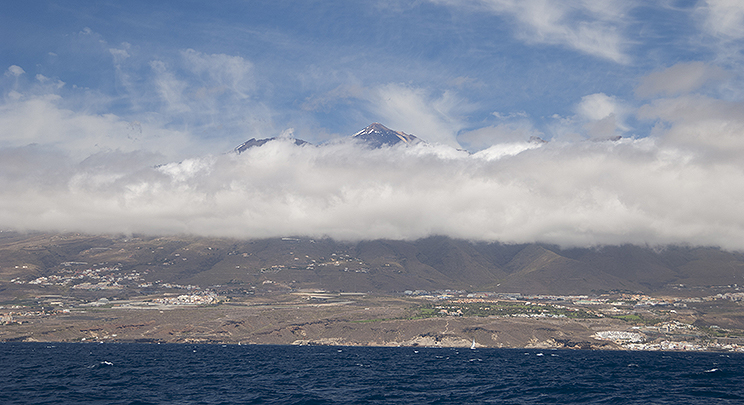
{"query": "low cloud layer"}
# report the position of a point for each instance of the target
(574, 194)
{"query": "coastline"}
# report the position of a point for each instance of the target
(370, 322)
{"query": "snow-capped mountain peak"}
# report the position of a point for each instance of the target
(377, 135)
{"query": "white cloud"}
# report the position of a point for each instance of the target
(186, 101)
(222, 72)
(170, 88)
(14, 70)
(325, 101)
(603, 115)
(589, 26)
(724, 18)
(598, 117)
(679, 79)
(586, 193)
(597, 106)
(416, 112)
(501, 150)
(48, 83)
(43, 119)
(120, 55)
(712, 128)
(208, 94)
(512, 133)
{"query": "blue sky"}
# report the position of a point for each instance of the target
(133, 83)
(229, 70)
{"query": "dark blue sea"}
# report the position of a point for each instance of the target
(74, 373)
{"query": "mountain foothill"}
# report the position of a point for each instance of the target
(384, 266)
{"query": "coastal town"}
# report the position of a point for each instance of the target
(648, 323)
(654, 323)
(76, 288)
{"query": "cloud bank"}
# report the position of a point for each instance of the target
(642, 191)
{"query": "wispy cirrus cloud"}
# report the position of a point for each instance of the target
(208, 92)
(592, 27)
(46, 119)
(681, 78)
(724, 18)
(436, 119)
(710, 126)
(176, 104)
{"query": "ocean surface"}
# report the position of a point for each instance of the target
(70, 373)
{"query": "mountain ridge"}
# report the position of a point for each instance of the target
(377, 135)
(374, 136)
(378, 265)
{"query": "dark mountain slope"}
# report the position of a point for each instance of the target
(374, 136)
(379, 265)
(536, 269)
(638, 265)
(253, 142)
(459, 260)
